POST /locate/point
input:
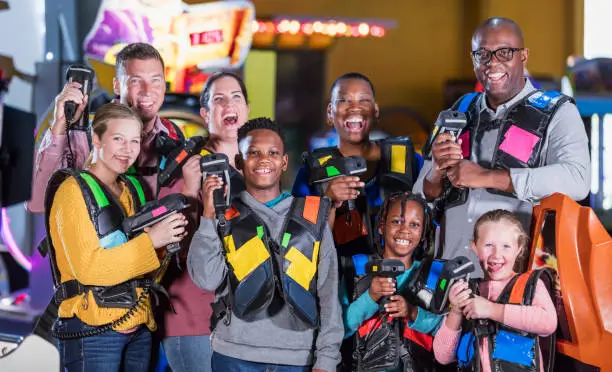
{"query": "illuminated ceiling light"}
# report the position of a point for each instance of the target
(255, 26)
(377, 31)
(318, 27)
(364, 29)
(294, 27)
(283, 26)
(262, 27)
(354, 31)
(341, 28)
(270, 27)
(331, 29)
(307, 28)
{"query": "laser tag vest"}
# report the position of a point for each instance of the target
(380, 343)
(262, 267)
(106, 214)
(521, 135)
(510, 349)
(175, 133)
(396, 172)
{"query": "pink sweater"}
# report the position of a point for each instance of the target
(540, 318)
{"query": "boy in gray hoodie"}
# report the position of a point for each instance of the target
(272, 262)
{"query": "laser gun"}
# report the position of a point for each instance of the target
(153, 212)
(218, 164)
(171, 164)
(337, 167)
(386, 268)
(450, 121)
(431, 282)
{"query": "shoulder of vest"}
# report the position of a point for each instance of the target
(318, 157)
(169, 124)
(134, 187)
(521, 289)
(547, 101)
(314, 209)
(465, 101)
(400, 140)
(359, 263)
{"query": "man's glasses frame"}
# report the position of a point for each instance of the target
(504, 54)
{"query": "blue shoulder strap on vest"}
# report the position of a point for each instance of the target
(544, 100)
(464, 105)
(359, 262)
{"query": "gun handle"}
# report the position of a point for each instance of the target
(173, 248)
(351, 204)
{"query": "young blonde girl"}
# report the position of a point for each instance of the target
(499, 240)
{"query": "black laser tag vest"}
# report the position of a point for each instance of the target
(106, 214)
(396, 172)
(262, 267)
(381, 343)
(522, 133)
(510, 349)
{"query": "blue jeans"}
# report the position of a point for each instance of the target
(222, 363)
(188, 353)
(108, 352)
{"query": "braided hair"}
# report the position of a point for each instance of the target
(428, 232)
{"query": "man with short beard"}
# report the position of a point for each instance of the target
(519, 146)
(139, 83)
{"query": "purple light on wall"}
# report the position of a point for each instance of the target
(11, 244)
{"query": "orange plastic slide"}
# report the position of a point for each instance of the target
(570, 239)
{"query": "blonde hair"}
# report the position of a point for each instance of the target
(106, 113)
(502, 215)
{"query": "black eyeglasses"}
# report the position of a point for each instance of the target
(505, 54)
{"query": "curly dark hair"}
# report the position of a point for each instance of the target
(428, 234)
(261, 123)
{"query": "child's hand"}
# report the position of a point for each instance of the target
(380, 287)
(458, 296)
(480, 308)
(343, 188)
(211, 183)
(398, 307)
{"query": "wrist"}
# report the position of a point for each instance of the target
(190, 193)
(373, 296)
(435, 176)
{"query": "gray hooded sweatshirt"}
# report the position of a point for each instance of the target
(280, 337)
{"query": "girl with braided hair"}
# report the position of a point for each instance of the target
(377, 303)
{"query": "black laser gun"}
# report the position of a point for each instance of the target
(218, 164)
(387, 268)
(153, 212)
(451, 121)
(172, 164)
(431, 282)
(83, 75)
(337, 167)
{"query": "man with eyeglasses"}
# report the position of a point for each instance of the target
(519, 146)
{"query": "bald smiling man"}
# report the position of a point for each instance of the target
(519, 146)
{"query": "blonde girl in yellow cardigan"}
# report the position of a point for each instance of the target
(87, 263)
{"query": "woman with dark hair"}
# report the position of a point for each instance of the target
(225, 108)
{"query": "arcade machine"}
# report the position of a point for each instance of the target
(591, 82)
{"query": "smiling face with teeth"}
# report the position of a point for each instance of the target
(141, 85)
(497, 246)
(501, 80)
(352, 110)
(262, 160)
(227, 108)
(118, 147)
(402, 236)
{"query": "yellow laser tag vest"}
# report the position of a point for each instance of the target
(262, 267)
